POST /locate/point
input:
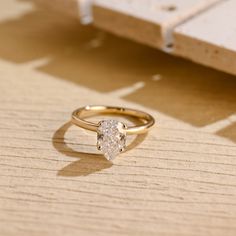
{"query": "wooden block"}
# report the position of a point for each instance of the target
(149, 22)
(153, 22)
(210, 38)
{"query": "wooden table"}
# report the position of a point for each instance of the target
(178, 180)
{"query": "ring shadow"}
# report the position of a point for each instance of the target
(88, 163)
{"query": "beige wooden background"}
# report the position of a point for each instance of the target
(179, 180)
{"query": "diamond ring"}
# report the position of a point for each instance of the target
(111, 134)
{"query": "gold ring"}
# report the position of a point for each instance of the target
(111, 134)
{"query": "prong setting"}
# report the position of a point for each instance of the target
(111, 138)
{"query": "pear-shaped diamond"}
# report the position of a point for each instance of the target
(111, 137)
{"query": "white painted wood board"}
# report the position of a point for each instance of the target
(150, 22)
(210, 38)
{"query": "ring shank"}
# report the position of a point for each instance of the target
(91, 110)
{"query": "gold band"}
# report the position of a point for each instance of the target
(91, 110)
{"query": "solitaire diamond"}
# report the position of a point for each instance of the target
(111, 137)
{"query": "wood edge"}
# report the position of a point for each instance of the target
(128, 26)
(204, 53)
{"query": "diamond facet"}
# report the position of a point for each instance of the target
(111, 137)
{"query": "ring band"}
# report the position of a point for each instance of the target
(87, 111)
(111, 134)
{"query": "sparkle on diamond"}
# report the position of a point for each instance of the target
(111, 138)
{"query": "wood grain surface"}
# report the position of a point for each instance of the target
(180, 179)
